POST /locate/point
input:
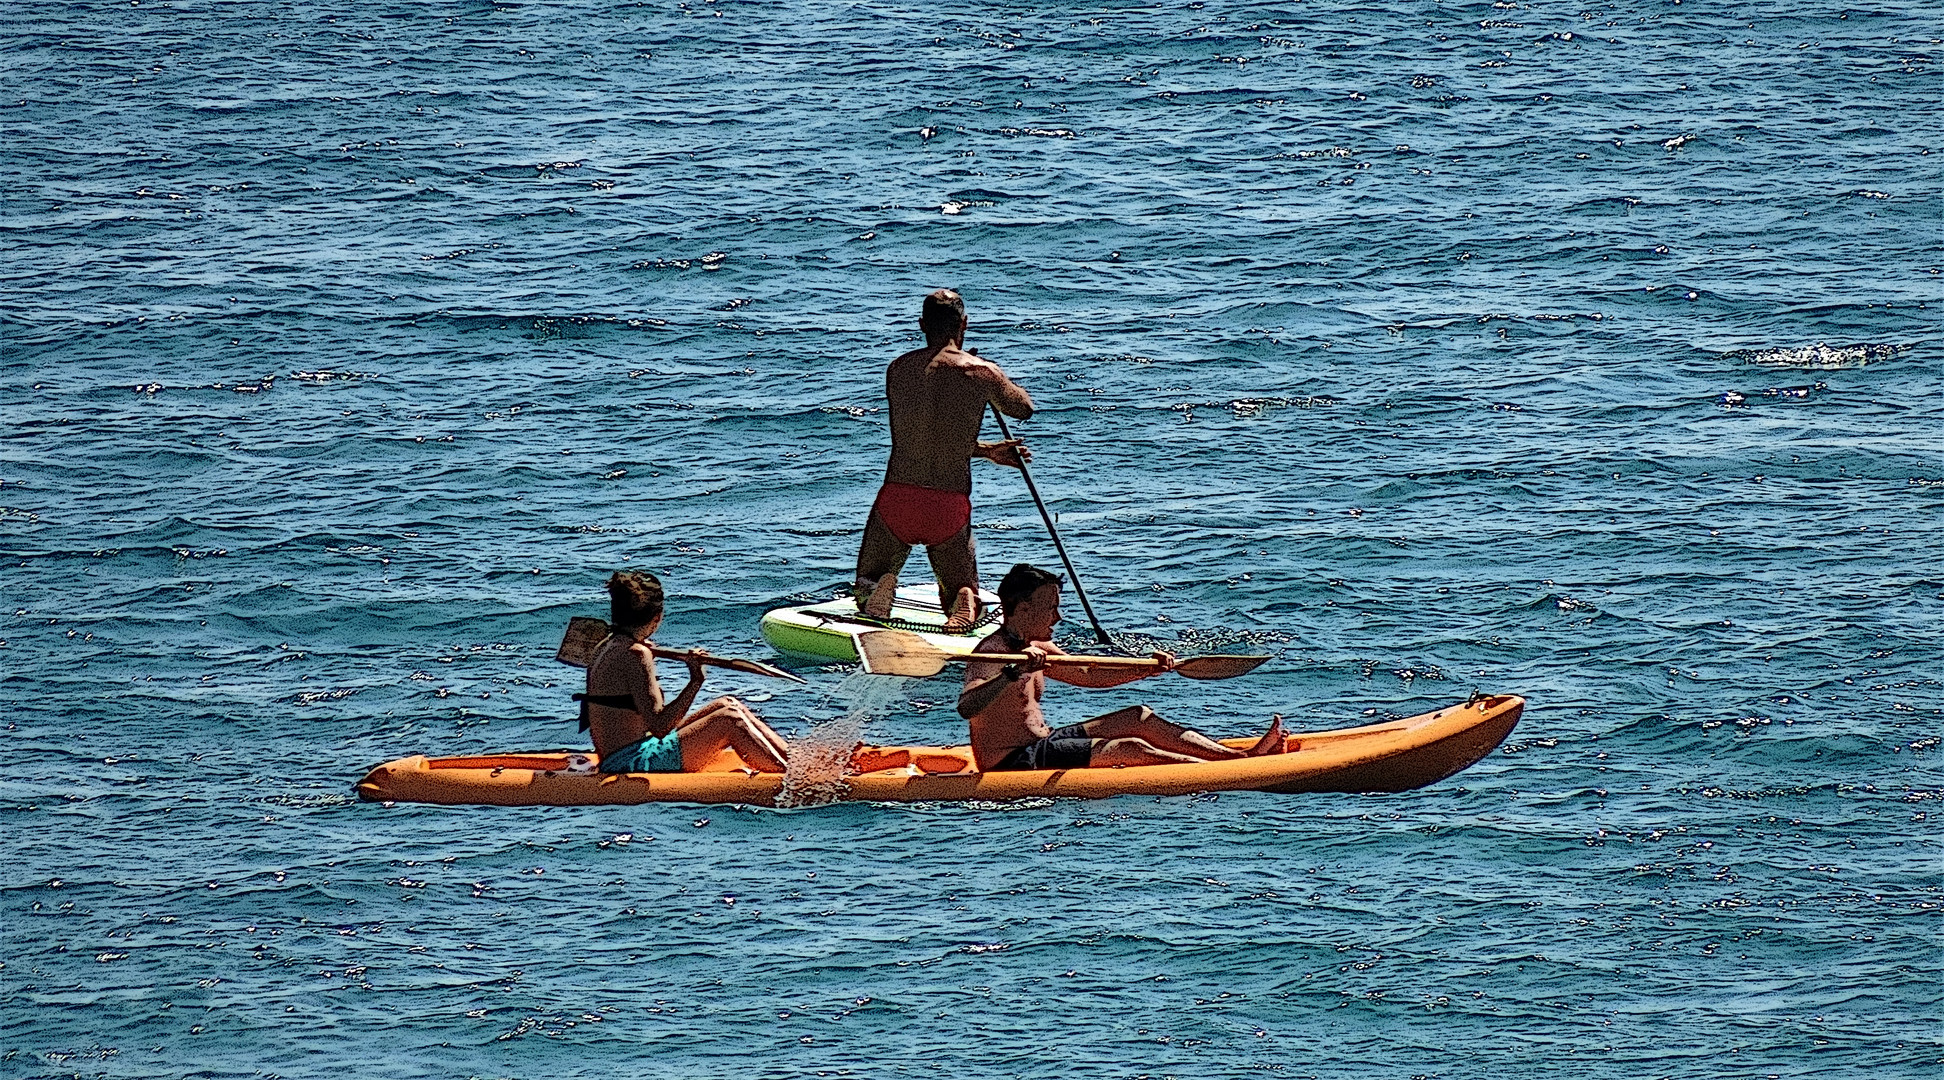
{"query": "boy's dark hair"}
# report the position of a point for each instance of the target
(943, 313)
(634, 598)
(1022, 581)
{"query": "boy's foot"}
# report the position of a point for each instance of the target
(883, 595)
(964, 611)
(1272, 741)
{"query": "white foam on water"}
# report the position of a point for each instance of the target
(820, 759)
(1824, 356)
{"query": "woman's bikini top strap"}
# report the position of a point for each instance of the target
(612, 701)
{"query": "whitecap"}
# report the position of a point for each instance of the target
(1823, 356)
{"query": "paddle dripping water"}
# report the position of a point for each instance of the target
(820, 758)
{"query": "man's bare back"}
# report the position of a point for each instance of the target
(938, 397)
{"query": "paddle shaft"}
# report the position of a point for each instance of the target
(1056, 659)
(750, 667)
(586, 634)
(891, 652)
(683, 655)
(1033, 490)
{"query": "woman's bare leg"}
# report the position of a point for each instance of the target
(728, 722)
(779, 747)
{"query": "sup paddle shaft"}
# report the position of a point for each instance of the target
(1033, 490)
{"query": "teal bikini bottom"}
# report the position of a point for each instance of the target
(652, 754)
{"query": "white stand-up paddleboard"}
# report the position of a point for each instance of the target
(827, 632)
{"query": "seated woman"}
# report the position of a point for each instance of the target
(634, 728)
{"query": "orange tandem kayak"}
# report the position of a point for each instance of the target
(1396, 755)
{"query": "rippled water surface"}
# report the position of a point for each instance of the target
(1589, 354)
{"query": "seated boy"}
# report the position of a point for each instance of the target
(1002, 703)
(634, 728)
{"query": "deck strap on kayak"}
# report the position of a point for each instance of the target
(892, 622)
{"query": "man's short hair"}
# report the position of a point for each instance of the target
(944, 311)
(634, 599)
(1021, 582)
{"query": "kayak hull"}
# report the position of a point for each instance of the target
(826, 632)
(1397, 755)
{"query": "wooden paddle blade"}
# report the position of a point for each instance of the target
(1218, 667)
(757, 667)
(584, 635)
(893, 652)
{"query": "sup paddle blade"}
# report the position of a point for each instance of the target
(893, 652)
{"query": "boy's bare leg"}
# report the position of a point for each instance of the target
(955, 563)
(1117, 753)
(1273, 741)
(1141, 722)
(880, 554)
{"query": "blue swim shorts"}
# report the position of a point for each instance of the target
(652, 754)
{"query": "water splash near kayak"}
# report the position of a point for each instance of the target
(820, 759)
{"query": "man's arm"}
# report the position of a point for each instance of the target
(1011, 398)
(1093, 678)
(977, 697)
(1010, 452)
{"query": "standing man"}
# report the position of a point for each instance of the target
(938, 397)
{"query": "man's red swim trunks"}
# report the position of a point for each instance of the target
(921, 515)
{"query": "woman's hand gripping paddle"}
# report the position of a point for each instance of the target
(892, 652)
(584, 635)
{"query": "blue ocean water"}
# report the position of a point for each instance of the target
(1584, 353)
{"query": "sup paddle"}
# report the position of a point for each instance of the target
(1033, 490)
(892, 652)
(585, 634)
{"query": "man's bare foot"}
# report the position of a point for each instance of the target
(964, 611)
(878, 604)
(1272, 741)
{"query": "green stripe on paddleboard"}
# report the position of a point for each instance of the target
(809, 642)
